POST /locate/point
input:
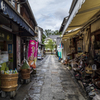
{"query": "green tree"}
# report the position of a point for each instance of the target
(50, 45)
(56, 32)
(50, 32)
(43, 38)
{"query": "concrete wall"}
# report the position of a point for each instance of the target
(39, 36)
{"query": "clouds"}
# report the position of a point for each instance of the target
(49, 14)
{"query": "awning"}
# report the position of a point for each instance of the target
(70, 34)
(8, 11)
(86, 11)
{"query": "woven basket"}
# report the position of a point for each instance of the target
(25, 73)
(9, 82)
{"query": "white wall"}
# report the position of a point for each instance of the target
(39, 39)
(39, 36)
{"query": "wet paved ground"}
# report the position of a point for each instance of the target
(52, 82)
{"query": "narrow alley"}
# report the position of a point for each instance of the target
(52, 82)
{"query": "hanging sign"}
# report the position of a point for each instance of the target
(18, 50)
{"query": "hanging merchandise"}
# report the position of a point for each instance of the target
(79, 46)
(60, 51)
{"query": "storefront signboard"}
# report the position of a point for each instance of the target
(5, 36)
(10, 48)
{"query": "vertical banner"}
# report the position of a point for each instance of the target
(31, 50)
(18, 50)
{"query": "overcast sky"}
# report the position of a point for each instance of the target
(49, 14)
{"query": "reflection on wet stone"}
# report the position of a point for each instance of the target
(34, 90)
(52, 82)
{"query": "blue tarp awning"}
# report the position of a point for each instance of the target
(9, 11)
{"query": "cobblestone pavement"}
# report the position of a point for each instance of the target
(53, 82)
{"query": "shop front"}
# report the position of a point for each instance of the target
(72, 48)
(8, 73)
(86, 64)
(6, 48)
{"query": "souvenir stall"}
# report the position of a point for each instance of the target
(95, 52)
(79, 43)
(87, 65)
(29, 65)
(71, 55)
(8, 75)
(72, 48)
(78, 47)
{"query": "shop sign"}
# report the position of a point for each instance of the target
(2, 35)
(10, 48)
(5, 36)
